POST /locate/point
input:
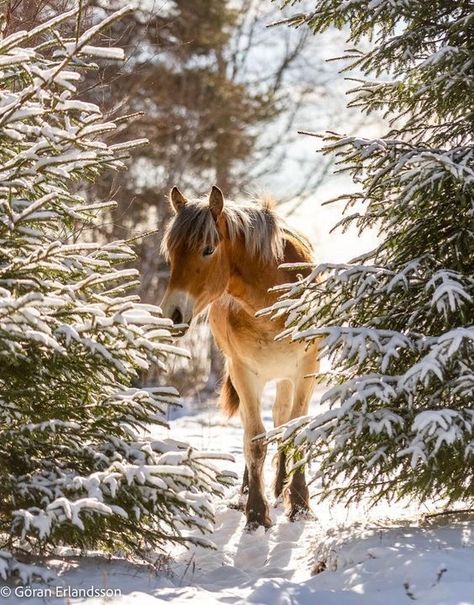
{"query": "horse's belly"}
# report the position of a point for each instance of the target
(275, 361)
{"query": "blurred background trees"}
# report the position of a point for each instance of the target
(220, 99)
(210, 88)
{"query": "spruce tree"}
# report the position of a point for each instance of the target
(77, 463)
(397, 322)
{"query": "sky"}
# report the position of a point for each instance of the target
(316, 220)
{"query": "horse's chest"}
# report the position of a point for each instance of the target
(252, 341)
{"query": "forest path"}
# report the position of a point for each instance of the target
(374, 557)
(241, 559)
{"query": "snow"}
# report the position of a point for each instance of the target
(102, 52)
(388, 555)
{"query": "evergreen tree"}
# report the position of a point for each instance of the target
(397, 322)
(76, 465)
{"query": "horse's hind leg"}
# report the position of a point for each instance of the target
(297, 491)
(245, 482)
(244, 490)
(281, 414)
(250, 389)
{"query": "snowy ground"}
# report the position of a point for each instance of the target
(386, 556)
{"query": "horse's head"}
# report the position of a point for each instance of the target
(194, 246)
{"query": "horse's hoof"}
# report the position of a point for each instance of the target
(252, 526)
(257, 518)
(300, 514)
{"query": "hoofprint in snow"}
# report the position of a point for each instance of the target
(389, 555)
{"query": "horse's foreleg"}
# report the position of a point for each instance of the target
(281, 414)
(250, 389)
(297, 490)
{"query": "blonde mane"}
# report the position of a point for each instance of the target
(263, 232)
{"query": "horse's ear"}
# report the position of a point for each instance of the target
(216, 202)
(177, 199)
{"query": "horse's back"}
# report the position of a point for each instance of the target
(298, 248)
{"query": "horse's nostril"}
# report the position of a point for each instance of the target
(177, 317)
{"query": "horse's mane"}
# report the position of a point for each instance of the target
(264, 232)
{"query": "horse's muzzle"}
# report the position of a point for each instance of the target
(177, 316)
(178, 305)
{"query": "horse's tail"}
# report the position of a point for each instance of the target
(229, 398)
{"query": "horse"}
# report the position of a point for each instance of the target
(225, 258)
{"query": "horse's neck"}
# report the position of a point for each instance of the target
(250, 279)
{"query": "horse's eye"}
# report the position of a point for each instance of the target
(208, 250)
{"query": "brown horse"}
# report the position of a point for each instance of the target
(225, 258)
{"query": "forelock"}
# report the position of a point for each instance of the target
(193, 226)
